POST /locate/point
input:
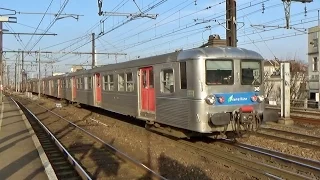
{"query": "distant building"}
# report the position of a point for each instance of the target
(57, 73)
(313, 62)
(76, 68)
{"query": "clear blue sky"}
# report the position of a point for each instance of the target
(173, 29)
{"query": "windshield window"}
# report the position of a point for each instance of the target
(219, 72)
(250, 72)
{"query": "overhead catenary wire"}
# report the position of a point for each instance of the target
(119, 25)
(52, 22)
(142, 37)
(39, 24)
(245, 7)
(189, 25)
(121, 4)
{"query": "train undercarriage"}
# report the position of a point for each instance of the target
(243, 122)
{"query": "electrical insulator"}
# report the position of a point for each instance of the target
(305, 10)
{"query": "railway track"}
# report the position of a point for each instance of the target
(60, 159)
(97, 158)
(302, 115)
(257, 162)
(301, 140)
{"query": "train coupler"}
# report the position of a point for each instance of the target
(245, 120)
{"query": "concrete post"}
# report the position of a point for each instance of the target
(285, 94)
(305, 103)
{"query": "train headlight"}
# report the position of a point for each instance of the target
(254, 98)
(210, 99)
(260, 98)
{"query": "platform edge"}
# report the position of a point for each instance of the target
(44, 159)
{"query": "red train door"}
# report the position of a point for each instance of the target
(147, 89)
(74, 88)
(98, 87)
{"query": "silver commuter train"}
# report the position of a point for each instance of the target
(211, 90)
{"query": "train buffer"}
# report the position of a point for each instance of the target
(19, 147)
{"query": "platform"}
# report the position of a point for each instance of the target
(21, 154)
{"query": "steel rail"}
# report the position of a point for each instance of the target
(254, 168)
(117, 152)
(305, 169)
(77, 166)
(300, 165)
(298, 139)
(302, 162)
(312, 164)
(258, 169)
(230, 160)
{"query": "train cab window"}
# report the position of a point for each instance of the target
(167, 81)
(129, 82)
(250, 72)
(183, 75)
(219, 72)
(121, 83)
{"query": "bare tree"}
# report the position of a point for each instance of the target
(298, 82)
(268, 85)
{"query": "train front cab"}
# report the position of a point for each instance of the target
(224, 90)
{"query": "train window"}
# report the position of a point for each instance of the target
(250, 72)
(219, 72)
(167, 81)
(80, 83)
(89, 82)
(121, 82)
(183, 75)
(151, 80)
(77, 82)
(85, 82)
(105, 83)
(110, 82)
(129, 82)
(144, 78)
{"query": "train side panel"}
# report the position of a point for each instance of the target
(119, 95)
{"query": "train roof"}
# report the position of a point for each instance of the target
(183, 55)
(148, 61)
(219, 52)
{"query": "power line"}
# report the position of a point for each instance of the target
(121, 24)
(52, 22)
(97, 24)
(273, 38)
(39, 23)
